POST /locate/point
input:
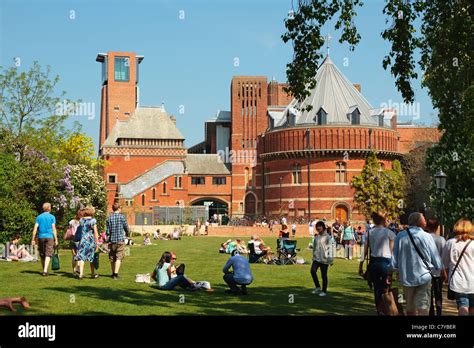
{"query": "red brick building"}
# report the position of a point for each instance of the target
(266, 156)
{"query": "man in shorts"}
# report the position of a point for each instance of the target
(45, 227)
(117, 228)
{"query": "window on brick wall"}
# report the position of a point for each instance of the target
(122, 69)
(219, 180)
(153, 194)
(112, 178)
(198, 180)
(381, 167)
(341, 172)
(178, 181)
(143, 200)
(164, 188)
(296, 174)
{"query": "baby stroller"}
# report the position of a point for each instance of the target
(287, 251)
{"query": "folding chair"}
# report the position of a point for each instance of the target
(287, 252)
(253, 256)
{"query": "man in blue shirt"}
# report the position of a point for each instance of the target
(45, 227)
(415, 271)
(241, 274)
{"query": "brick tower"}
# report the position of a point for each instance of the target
(119, 96)
(249, 119)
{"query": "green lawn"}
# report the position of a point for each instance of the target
(269, 294)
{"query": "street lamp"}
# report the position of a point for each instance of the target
(440, 179)
(377, 181)
(308, 147)
(280, 179)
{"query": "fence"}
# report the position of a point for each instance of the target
(172, 215)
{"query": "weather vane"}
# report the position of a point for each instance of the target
(327, 39)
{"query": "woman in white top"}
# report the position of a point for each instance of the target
(74, 224)
(322, 258)
(380, 241)
(461, 281)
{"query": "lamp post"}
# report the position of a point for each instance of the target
(280, 179)
(440, 179)
(308, 147)
(377, 181)
(263, 178)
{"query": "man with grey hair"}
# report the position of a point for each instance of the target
(45, 227)
(415, 257)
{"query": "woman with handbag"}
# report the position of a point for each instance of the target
(379, 247)
(88, 244)
(458, 259)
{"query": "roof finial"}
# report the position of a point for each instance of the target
(163, 105)
(327, 38)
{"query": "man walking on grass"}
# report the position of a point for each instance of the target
(45, 226)
(417, 259)
(117, 227)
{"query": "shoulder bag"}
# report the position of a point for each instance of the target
(451, 294)
(427, 265)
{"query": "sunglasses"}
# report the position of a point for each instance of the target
(173, 258)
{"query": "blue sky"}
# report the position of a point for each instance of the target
(188, 61)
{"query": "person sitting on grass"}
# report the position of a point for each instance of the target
(176, 235)
(166, 277)
(261, 250)
(19, 253)
(240, 274)
(147, 240)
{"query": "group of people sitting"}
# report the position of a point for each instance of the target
(236, 273)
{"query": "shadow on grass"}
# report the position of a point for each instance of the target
(259, 301)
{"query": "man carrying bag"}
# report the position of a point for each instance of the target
(415, 256)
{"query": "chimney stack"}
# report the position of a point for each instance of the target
(357, 86)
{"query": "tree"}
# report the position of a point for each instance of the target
(444, 44)
(418, 178)
(28, 101)
(379, 190)
(40, 159)
(16, 213)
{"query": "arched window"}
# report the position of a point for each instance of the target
(296, 174)
(164, 188)
(246, 177)
(143, 200)
(153, 193)
(341, 172)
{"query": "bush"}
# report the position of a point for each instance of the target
(16, 217)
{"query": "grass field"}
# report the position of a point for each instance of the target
(270, 294)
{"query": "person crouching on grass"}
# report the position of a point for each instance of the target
(322, 257)
(47, 236)
(240, 275)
